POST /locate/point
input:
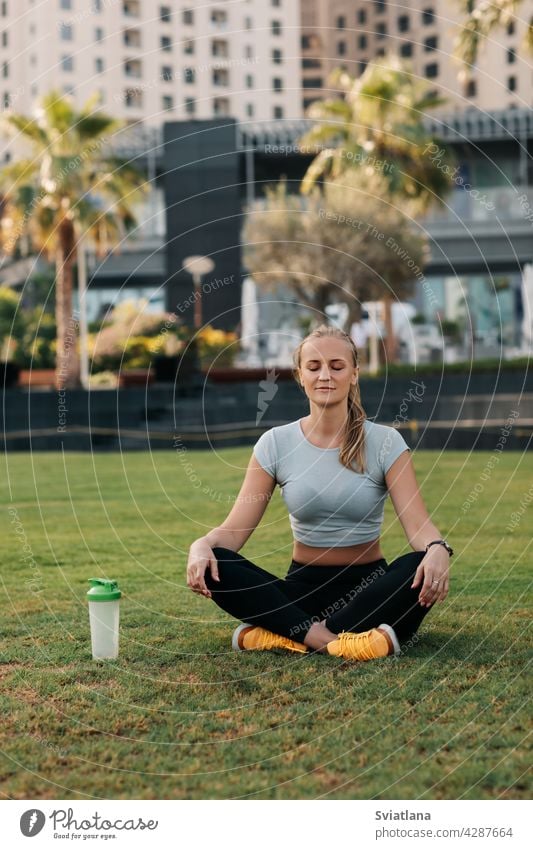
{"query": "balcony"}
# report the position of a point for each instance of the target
(131, 8)
(133, 68)
(132, 38)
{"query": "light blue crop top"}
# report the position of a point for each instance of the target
(328, 504)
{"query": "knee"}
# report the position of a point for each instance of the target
(222, 554)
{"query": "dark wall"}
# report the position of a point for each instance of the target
(203, 213)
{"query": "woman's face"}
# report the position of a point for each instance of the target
(326, 369)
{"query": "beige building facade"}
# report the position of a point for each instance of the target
(153, 62)
(351, 34)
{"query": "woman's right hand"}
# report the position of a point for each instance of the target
(201, 558)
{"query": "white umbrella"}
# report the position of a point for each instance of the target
(250, 321)
(527, 302)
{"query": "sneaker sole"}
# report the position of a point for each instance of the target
(394, 639)
(235, 639)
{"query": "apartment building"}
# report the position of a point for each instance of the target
(351, 34)
(152, 62)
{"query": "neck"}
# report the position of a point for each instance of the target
(329, 422)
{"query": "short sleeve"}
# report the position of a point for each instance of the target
(265, 451)
(392, 446)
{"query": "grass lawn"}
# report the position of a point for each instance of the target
(180, 715)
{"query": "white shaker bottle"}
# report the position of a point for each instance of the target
(104, 603)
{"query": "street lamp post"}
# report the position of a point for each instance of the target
(198, 266)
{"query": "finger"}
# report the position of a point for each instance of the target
(213, 566)
(418, 576)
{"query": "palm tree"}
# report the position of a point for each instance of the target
(66, 187)
(481, 19)
(378, 125)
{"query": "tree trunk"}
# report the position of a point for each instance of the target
(390, 340)
(67, 359)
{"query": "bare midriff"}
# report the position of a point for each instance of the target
(354, 555)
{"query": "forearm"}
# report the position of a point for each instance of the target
(222, 538)
(426, 533)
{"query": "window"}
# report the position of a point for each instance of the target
(275, 2)
(190, 105)
(64, 4)
(380, 51)
(381, 31)
(133, 68)
(5, 69)
(249, 81)
(188, 47)
(221, 106)
(132, 37)
(99, 66)
(131, 8)
(6, 100)
(428, 17)
(65, 31)
(220, 76)
(275, 27)
(97, 5)
(312, 82)
(403, 23)
(165, 43)
(249, 110)
(98, 34)
(380, 6)
(362, 67)
(406, 49)
(362, 42)
(189, 75)
(471, 88)
(511, 83)
(249, 52)
(133, 98)
(431, 71)
(361, 16)
(167, 102)
(308, 101)
(277, 112)
(219, 48)
(219, 17)
(165, 16)
(277, 57)
(341, 22)
(4, 39)
(309, 62)
(277, 84)
(167, 74)
(248, 23)
(510, 28)
(511, 56)
(341, 48)
(306, 42)
(431, 43)
(187, 16)
(67, 63)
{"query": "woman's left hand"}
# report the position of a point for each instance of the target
(433, 574)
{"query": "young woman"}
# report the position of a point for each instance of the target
(335, 469)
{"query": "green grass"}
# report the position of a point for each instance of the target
(180, 715)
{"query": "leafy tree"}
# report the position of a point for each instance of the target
(66, 188)
(481, 18)
(349, 243)
(377, 127)
(12, 322)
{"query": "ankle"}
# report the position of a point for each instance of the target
(389, 641)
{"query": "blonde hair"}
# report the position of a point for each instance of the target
(353, 445)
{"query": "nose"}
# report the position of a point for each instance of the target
(324, 373)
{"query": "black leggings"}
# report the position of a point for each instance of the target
(349, 598)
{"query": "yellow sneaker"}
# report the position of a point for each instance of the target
(251, 637)
(366, 645)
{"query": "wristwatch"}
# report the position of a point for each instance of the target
(443, 542)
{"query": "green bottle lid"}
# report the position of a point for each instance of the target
(103, 589)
